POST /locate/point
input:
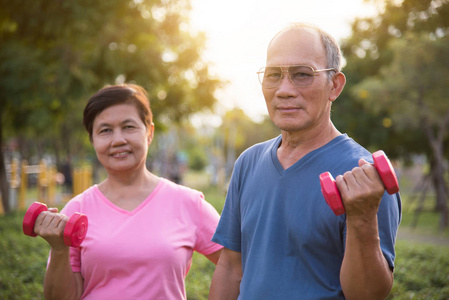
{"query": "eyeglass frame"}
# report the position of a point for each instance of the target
(314, 71)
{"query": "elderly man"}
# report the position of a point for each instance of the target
(281, 239)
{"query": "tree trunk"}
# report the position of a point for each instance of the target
(438, 168)
(439, 184)
(4, 187)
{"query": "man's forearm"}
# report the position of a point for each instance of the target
(224, 286)
(365, 273)
(227, 276)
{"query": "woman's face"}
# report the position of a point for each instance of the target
(120, 138)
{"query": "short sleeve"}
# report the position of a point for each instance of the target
(389, 218)
(207, 223)
(72, 207)
(228, 231)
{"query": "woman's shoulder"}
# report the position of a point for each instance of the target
(171, 187)
(82, 199)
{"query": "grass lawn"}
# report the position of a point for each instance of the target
(422, 270)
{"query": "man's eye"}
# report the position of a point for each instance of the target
(300, 75)
(300, 72)
(273, 74)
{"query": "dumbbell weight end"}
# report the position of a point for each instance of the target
(331, 193)
(386, 172)
(74, 232)
(30, 218)
(384, 169)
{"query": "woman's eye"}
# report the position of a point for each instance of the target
(105, 130)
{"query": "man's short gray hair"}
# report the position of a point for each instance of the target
(331, 47)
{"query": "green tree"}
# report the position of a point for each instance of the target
(240, 132)
(396, 96)
(54, 55)
(414, 87)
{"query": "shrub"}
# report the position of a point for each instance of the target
(421, 272)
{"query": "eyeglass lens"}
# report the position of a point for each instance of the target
(299, 75)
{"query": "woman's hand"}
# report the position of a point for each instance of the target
(50, 226)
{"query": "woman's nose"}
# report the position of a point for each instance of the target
(118, 138)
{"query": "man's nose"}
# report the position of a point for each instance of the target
(286, 87)
(285, 77)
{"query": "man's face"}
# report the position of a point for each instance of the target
(294, 108)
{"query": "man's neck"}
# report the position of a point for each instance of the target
(295, 145)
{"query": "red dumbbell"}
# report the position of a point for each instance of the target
(383, 167)
(74, 232)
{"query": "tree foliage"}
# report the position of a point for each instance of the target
(238, 132)
(398, 84)
(55, 54)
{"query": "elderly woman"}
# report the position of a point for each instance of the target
(143, 229)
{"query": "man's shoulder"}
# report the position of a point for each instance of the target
(343, 153)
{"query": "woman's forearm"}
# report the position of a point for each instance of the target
(60, 281)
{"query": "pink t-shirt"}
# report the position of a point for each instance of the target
(145, 253)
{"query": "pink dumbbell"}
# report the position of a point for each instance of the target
(74, 232)
(383, 167)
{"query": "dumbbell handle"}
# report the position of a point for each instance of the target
(383, 167)
(74, 231)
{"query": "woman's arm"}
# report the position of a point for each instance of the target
(60, 281)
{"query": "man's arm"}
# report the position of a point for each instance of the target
(214, 257)
(365, 273)
(227, 276)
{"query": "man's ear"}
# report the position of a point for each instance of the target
(338, 83)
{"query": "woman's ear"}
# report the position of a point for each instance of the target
(338, 83)
(150, 133)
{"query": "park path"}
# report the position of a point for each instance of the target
(408, 234)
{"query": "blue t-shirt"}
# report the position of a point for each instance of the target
(291, 242)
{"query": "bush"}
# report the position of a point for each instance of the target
(197, 159)
(421, 272)
(23, 261)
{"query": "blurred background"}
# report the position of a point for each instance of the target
(198, 60)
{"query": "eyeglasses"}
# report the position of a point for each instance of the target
(300, 76)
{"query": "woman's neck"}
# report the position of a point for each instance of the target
(128, 193)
